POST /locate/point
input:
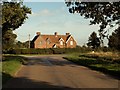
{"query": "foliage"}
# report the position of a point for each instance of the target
(107, 56)
(93, 41)
(114, 39)
(10, 64)
(8, 39)
(96, 62)
(56, 50)
(47, 51)
(13, 16)
(9, 67)
(106, 14)
(20, 44)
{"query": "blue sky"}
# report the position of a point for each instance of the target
(50, 17)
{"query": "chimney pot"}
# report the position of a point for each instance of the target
(38, 33)
(56, 33)
(67, 33)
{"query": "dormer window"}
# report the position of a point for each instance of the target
(40, 43)
(71, 42)
(54, 46)
(48, 41)
(61, 42)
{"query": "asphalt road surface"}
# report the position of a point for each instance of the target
(52, 71)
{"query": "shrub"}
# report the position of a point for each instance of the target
(47, 50)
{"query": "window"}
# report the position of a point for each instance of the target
(71, 42)
(48, 41)
(61, 42)
(40, 43)
(54, 46)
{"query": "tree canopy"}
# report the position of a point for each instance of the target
(8, 39)
(114, 39)
(93, 41)
(13, 16)
(20, 44)
(106, 14)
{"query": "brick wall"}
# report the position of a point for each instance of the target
(42, 43)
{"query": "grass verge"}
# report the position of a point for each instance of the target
(101, 63)
(10, 65)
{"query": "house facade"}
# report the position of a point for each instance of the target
(53, 41)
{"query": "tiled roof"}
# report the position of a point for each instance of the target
(55, 39)
(52, 38)
(35, 38)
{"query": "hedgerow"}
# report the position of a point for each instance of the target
(47, 51)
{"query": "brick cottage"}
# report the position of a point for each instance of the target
(53, 41)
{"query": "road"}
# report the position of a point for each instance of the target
(52, 71)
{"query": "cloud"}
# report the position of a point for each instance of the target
(44, 12)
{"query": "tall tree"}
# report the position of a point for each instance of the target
(114, 39)
(102, 13)
(13, 16)
(93, 41)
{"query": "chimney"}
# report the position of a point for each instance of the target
(38, 33)
(56, 33)
(67, 33)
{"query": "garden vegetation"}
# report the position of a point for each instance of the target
(106, 62)
(10, 66)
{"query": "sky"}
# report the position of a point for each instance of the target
(50, 17)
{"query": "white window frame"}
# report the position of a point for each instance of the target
(61, 42)
(40, 43)
(55, 46)
(71, 42)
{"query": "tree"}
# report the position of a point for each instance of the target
(13, 16)
(20, 44)
(93, 41)
(26, 44)
(102, 13)
(114, 39)
(8, 39)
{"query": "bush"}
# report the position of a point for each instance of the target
(46, 51)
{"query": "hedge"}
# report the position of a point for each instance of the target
(46, 51)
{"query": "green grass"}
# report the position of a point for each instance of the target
(112, 67)
(10, 65)
(98, 62)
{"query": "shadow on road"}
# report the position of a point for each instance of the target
(24, 82)
(49, 62)
(5, 77)
(60, 61)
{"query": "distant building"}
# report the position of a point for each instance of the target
(53, 41)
